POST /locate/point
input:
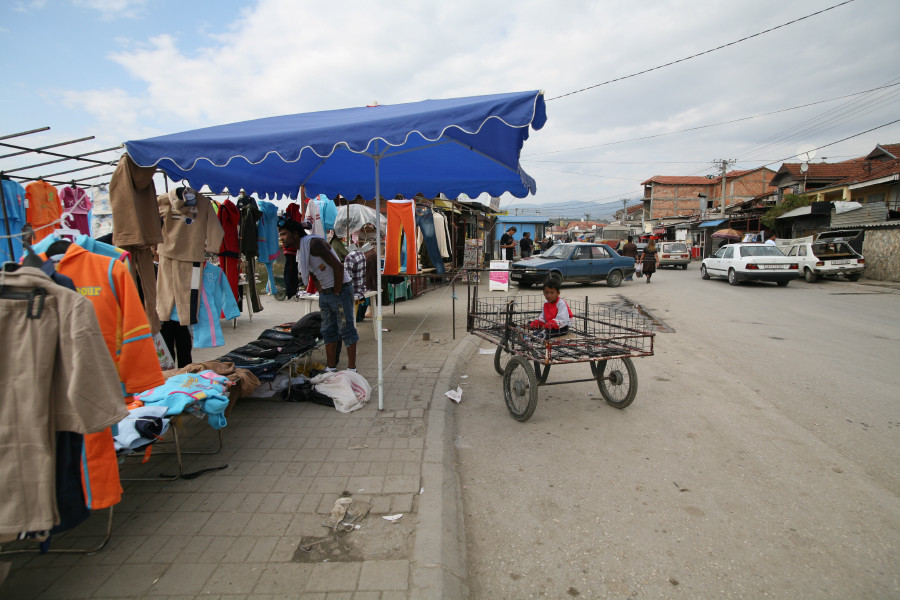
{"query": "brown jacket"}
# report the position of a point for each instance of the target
(132, 198)
(60, 378)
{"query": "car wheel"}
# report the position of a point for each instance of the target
(782, 283)
(558, 275)
(684, 267)
(809, 276)
(703, 273)
(732, 277)
(614, 279)
(853, 277)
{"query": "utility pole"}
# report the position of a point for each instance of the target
(723, 163)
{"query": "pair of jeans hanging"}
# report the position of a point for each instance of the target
(425, 222)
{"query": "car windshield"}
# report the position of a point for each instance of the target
(557, 251)
(761, 250)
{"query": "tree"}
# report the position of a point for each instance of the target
(790, 202)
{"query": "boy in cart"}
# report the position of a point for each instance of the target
(556, 315)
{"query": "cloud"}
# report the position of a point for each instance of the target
(281, 57)
(25, 7)
(111, 9)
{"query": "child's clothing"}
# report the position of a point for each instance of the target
(554, 319)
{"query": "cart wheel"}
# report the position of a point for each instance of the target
(520, 388)
(502, 356)
(541, 373)
(617, 380)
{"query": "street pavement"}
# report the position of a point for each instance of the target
(254, 530)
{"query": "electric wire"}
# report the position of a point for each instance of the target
(674, 62)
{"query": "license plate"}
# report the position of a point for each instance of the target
(516, 276)
(840, 262)
(776, 266)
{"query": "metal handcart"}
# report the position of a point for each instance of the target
(606, 337)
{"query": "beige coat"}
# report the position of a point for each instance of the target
(59, 378)
(132, 198)
(187, 233)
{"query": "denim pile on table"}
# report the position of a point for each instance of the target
(276, 347)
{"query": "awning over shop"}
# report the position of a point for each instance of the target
(711, 223)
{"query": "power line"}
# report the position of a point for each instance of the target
(674, 62)
(737, 120)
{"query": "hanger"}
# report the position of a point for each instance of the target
(72, 184)
(31, 257)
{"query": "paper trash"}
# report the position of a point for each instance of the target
(456, 395)
(486, 351)
(392, 518)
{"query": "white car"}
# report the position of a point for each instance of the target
(827, 258)
(750, 262)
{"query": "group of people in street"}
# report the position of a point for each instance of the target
(648, 258)
(526, 244)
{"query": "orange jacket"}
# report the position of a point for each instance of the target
(43, 207)
(107, 283)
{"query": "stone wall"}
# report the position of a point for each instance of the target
(881, 248)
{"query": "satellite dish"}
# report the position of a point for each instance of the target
(804, 167)
(806, 152)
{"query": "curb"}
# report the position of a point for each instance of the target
(439, 553)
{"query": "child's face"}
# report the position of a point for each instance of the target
(551, 295)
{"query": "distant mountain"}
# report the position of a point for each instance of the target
(598, 211)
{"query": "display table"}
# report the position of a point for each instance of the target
(310, 303)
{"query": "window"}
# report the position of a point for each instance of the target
(802, 251)
(598, 252)
(720, 253)
(874, 198)
(729, 252)
(582, 254)
(793, 251)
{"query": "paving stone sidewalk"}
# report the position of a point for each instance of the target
(237, 533)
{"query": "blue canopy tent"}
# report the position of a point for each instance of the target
(456, 146)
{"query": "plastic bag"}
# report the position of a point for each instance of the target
(639, 269)
(349, 390)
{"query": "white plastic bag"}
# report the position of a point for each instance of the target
(639, 268)
(350, 391)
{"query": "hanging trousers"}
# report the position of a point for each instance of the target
(425, 221)
(291, 275)
(401, 216)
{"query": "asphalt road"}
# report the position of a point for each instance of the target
(759, 460)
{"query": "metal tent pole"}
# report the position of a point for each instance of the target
(379, 328)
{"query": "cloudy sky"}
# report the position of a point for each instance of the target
(129, 69)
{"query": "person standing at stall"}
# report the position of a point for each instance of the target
(318, 262)
(526, 245)
(508, 244)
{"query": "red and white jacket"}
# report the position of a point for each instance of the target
(554, 316)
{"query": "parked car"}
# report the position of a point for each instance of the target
(750, 262)
(674, 254)
(578, 261)
(827, 258)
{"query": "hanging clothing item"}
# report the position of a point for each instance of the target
(230, 251)
(442, 233)
(355, 264)
(291, 285)
(132, 200)
(108, 285)
(249, 231)
(14, 197)
(313, 215)
(425, 223)
(189, 227)
(77, 202)
(72, 385)
(401, 216)
(216, 300)
(327, 211)
(90, 244)
(268, 240)
(43, 208)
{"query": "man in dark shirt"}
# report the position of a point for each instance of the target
(630, 250)
(508, 244)
(526, 245)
